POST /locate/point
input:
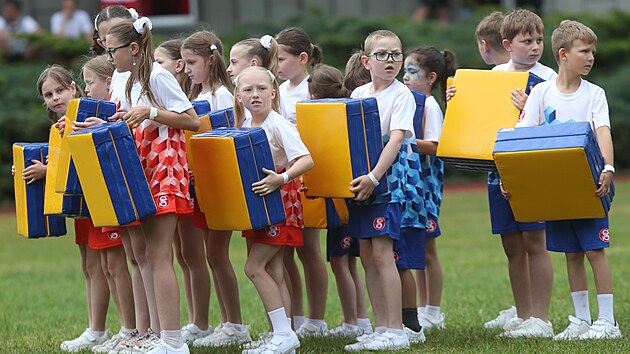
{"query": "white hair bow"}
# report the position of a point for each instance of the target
(138, 24)
(133, 13)
(265, 41)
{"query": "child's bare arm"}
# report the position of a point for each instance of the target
(274, 180)
(363, 185)
(604, 140)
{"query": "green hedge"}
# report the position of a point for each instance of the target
(23, 117)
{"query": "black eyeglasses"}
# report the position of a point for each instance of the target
(384, 56)
(111, 51)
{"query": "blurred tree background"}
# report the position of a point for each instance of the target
(23, 115)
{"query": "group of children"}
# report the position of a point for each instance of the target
(155, 101)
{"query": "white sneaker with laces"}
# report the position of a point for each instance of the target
(512, 323)
(574, 330)
(427, 322)
(279, 344)
(385, 341)
(531, 328)
(308, 329)
(357, 346)
(159, 347)
(500, 320)
(415, 337)
(139, 344)
(346, 330)
(602, 329)
(128, 342)
(192, 333)
(85, 341)
(107, 345)
(263, 339)
(228, 335)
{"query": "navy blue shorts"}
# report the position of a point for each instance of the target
(339, 244)
(578, 235)
(433, 227)
(367, 221)
(409, 250)
(502, 217)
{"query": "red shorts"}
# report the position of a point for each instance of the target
(170, 203)
(117, 228)
(279, 235)
(199, 218)
(82, 230)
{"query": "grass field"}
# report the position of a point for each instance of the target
(42, 293)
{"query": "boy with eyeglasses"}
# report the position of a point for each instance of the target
(375, 219)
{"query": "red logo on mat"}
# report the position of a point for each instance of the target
(379, 223)
(604, 234)
(431, 226)
(395, 257)
(346, 242)
(273, 231)
(163, 201)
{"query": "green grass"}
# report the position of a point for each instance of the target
(42, 294)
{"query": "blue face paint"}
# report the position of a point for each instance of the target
(412, 71)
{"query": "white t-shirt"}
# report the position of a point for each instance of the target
(24, 24)
(547, 105)
(284, 139)
(77, 26)
(433, 121)
(396, 107)
(544, 72)
(166, 90)
(221, 99)
(117, 91)
(288, 99)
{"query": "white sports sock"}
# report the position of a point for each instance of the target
(364, 322)
(317, 323)
(396, 331)
(580, 304)
(349, 326)
(433, 311)
(172, 338)
(279, 321)
(421, 309)
(298, 321)
(236, 326)
(605, 302)
(380, 329)
(97, 333)
(124, 330)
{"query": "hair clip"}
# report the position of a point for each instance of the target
(213, 47)
(138, 24)
(265, 41)
(95, 22)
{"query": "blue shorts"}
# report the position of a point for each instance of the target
(501, 216)
(373, 220)
(339, 244)
(578, 235)
(433, 228)
(409, 250)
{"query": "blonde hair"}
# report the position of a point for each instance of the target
(568, 32)
(207, 45)
(374, 36)
(489, 30)
(60, 75)
(239, 114)
(356, 74)
(521, 21)
(126, 33)
(100, 66)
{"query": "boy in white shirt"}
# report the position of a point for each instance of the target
(567, 99)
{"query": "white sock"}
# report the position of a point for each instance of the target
(421, 309)
(172, 338)
(350, 326)
(236, 326)
(279, 321)
(380, 329)
(364, 322)
(316, 323)
(580, 304)
(433, 311)
(298, 321)
(396, 331)
(97, 333)
(605, 302)
(124, 330)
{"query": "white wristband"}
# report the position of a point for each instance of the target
(153, 113)
(285, 177)
(608, 168)
(373, 179)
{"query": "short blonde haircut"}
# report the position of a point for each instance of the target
(521, 21)
(489, 30)
(567, 33)
(374, 36)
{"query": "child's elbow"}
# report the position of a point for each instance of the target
(308, 162)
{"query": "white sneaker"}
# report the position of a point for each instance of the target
(500, 321)
(308, 329)
(279, 344)
(574, 330)
(263, 339)
(531, 328)
(159, 347)
(114, 342)
(346, 330)
(127, 343)
(380, 341)
(228, 335)
(139, 344)
(192, 333)
(512, 324)
(85, 341)
(602, 329)
(427, 322)
(415, 337)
